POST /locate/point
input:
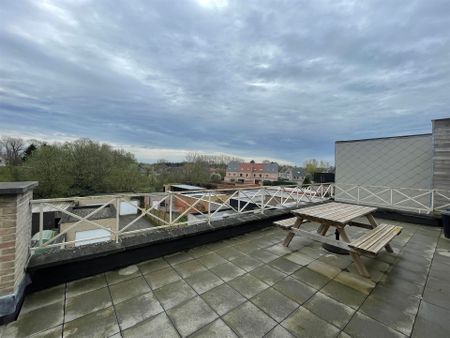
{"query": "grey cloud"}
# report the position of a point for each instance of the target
(278, 79)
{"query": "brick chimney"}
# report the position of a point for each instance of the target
(15, 237)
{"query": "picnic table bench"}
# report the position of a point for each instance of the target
(339, 215)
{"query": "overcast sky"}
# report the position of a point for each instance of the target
(280, 80)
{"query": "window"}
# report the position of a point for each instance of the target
(92, 236)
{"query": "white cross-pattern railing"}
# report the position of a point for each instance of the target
(408, 199)
(176, 208)
(173, 209)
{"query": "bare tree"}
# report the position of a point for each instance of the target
(12, 149)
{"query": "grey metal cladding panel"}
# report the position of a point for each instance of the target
(393, 162)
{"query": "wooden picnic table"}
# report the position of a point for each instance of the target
(340, 215)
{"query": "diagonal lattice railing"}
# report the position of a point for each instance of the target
(170, 209)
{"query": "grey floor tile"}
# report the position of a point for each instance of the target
(120, 275)
(279, 332)
(324, 269)
(245, 247)
(203, 281)
(329, 309)
(268, 274)
(230, 253)
(217, 329)
(285, 265)
(178, 258)
(275, 304)
(116, 335)
(344, 294)
(189, 268)
(55, 332)
(437, 292)
(248, 285)
(162, 277)
(84, 285)
(86, 303)
(191, 316)
(228, 271)
(398, 314)
(153, 265)
(128, 289)
(313, 252)
(401, 286)
(407, 275)
(299, 258)
(249, 321)
(223, 298)
(342, 334)
(199, 251)
(159, 326)
(338, 261)
(35, 321)
(137, 309)
(101, 323)
(432, 321)
(365, 327)
(247, 263)
(263, 255)
(279, 249)
(40, 299)
(295, 290)
(304, 323)
(401, 298)
(211, 260)
(355, 281)
(310, 277)
(174, 294)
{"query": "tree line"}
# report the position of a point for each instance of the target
(81, 168)
(84, 167)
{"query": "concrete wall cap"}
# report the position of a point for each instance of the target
(13, 188)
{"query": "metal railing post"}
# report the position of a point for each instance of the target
(116, 231)
(432, 200)
(170, 207)
(209, 207)
(262, 201)
(41, 223)
(239, 201)
(357, 189)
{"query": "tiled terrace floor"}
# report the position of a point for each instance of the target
(252, 286)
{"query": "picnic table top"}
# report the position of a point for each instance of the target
(334, 212)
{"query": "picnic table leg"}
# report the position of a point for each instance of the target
(323, 229)
(374, 224)
(356, 257)
(291, 235)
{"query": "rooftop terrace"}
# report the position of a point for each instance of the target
(252, 286)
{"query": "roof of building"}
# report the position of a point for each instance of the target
(106, 212)
(187, 187)
(250, 166)
(56, 206)
(384, 138)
